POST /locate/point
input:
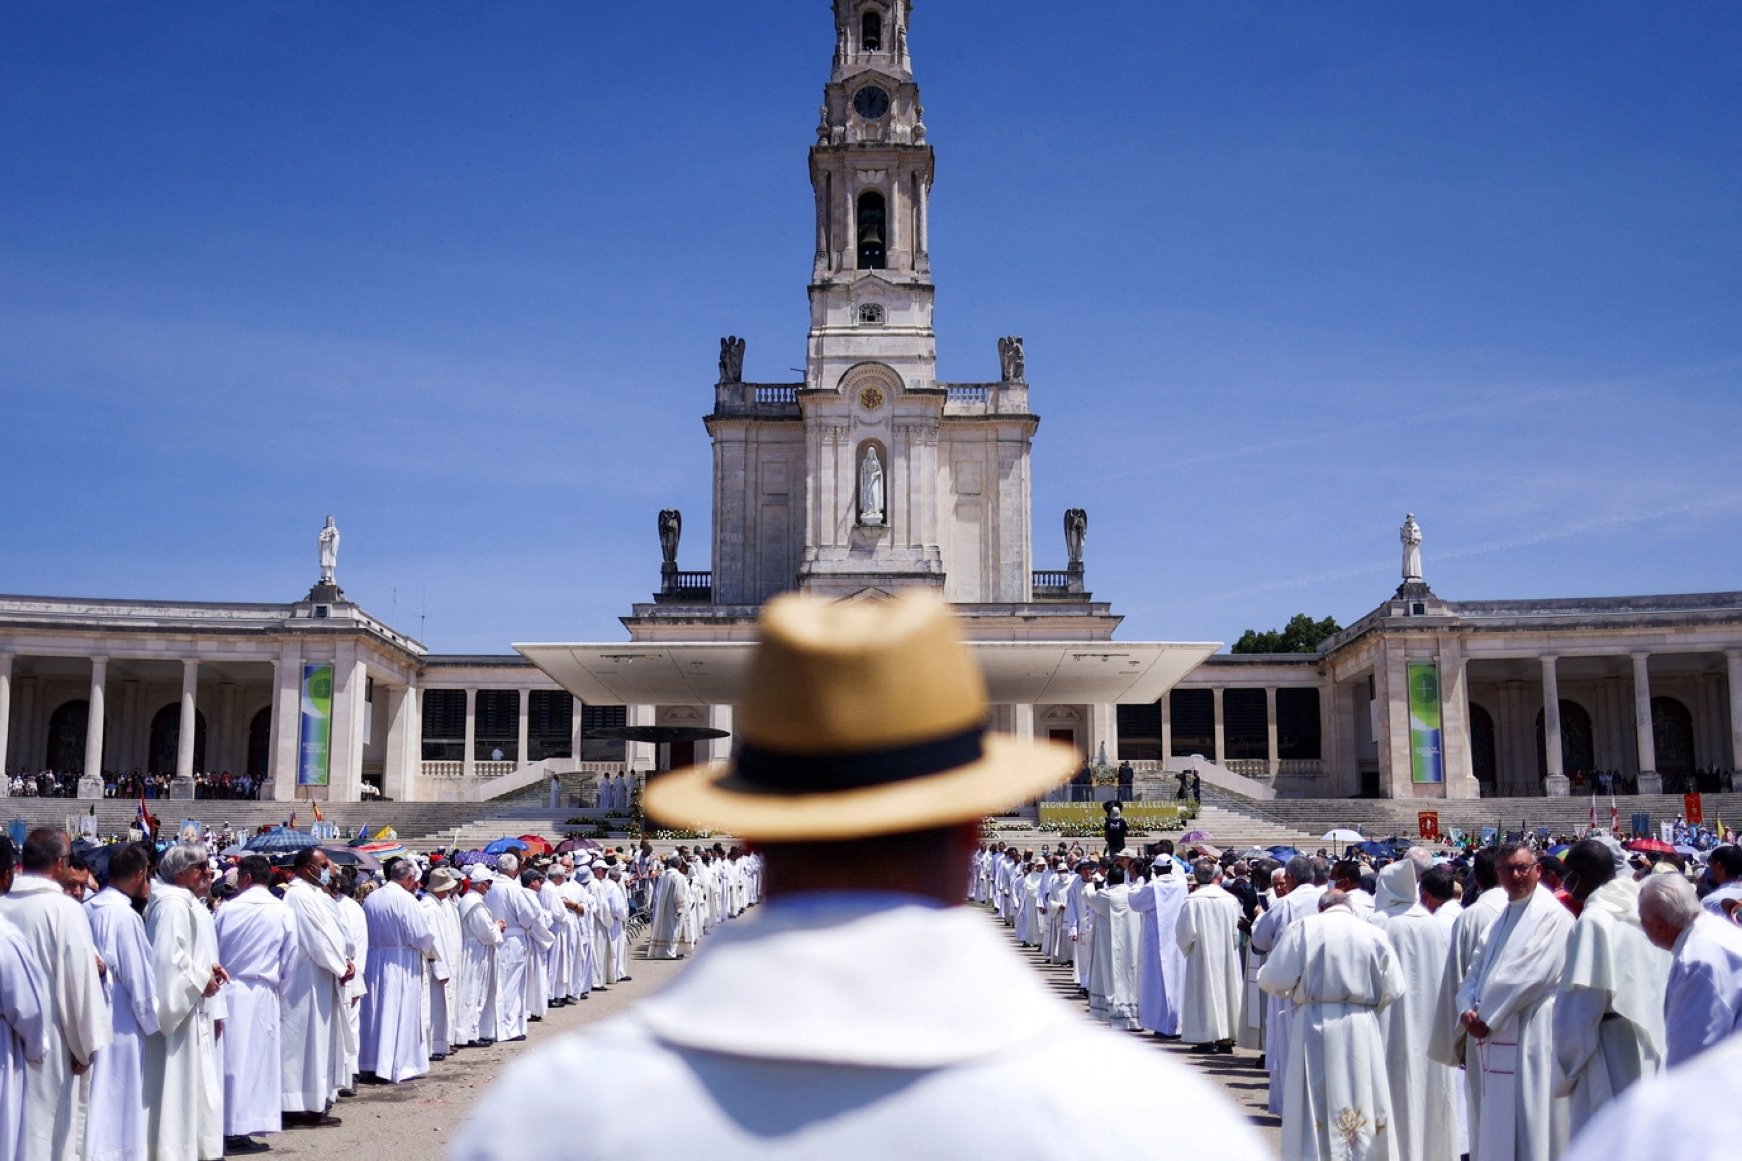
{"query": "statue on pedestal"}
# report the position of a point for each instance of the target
(1076, 530)
(871, 489)
(670, 529)
(731, 359)
(329, 548)
(1410, 534)
(1012, 363)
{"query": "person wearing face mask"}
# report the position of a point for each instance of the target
(314, 1028)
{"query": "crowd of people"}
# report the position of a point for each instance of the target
(221, 784)
(188, 1004)
(1493, 1002)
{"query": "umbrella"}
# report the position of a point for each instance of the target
(1282, 854)
(535, 844)
(467, 858)
(353, 857)
(1560, 849)
(503, 845)
(1651, 846)
(1207, 850)
(1343, 834)
(281, 838)
(657, 735)
(1686, 850)
(1197, 836)
(381, 852)
(576, 844)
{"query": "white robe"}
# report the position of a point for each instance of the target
(670, 899)
(393, 1046)
(1703, 995)
(356, 929)
(1511, 986)
(77, 1023)
(313, 1032)
(25, 1010)
(182, 1068)
(1162, 966)
(1267, 932)
(1608, 1017)
(1208, 933)
(616, 915)
(1080, 927)
(441, 987)
(556, 957)
(1118, 943)
(1339, 973)
(1427, 1097)
(257, 946)
(580, 936)
(118, 1130)
(1449, 1043)
(476, 1016)
(1028, 908)
(511, 904)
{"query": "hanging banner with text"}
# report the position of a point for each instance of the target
(314, 748)
(1426, 761)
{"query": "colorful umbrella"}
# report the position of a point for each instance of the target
(1197, 836)
(576, 844)
(356, 856)
(503, 845)
(1651, 846)
(281, 838)
(536, 844)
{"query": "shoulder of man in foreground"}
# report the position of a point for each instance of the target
(1696, 1106)
(937, 1047)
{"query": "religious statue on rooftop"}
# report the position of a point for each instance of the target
(1410, 534)
(329, 550)
(1011, 361)
(1076, 529)
(670, 529)
(731, 359)
(871, 489)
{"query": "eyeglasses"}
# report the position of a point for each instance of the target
(1517, 869)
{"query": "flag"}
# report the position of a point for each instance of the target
(144, 816)
(1593, 812)
(316, 807)
(290, 823)
(1614, 816)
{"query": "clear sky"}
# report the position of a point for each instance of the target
(456, 273)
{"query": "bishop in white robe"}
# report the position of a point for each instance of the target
(557, 965)
(392, 1046)
(1208, 934)
(118, 1130)
(1080, 924)
(24, 1016)
(617, 912)
(183, 1074)
(257, 944)
(1161, 964)
(313, 1031)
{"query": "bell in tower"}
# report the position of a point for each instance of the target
(871, 215)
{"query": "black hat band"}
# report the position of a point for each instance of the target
(786, 773)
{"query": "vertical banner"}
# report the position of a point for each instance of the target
(1426, 761)
(314, 747)
(1692, 810)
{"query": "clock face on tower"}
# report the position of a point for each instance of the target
(871, 102)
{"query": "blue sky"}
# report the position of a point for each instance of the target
(456, 273)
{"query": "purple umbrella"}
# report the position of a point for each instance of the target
(1198, 836)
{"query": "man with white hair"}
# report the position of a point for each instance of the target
(1703, 996)
(1208, 934)
(1162, 966)
(557, 965)
(315, 1031)
(118, 1127)
(442, 984)
(613, 914)
(393, 1048)
(477, 1015)
(257, 945)
(671, 898)
(182, 1068)
(518, 915)
(577, 899)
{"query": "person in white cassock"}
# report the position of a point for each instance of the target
(1208, 934)
(442, 984)
(1702, 1002)
(356, 928)
(393, 1047)
(1340, 974)
(1691, 1110)
(1506, 1005)
(540, 938)
(1449, 1043)
(118, 1130)
(183, 1072)
(518, 915)
(1080, 923)
(25, 1010)
(1426, 1096)
(1608, 1017)
(670, 898)
(313, 1029)
(1118, 943)
(1058, 947)
(257, 944)
(477, 1016)
(862, 1013)
(1161, 964)
(617, 910)
(557, 966)
(57, 1095)
(1302, 873)
(1028, 904)
(577, 898)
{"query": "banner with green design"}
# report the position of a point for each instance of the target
(1426, 759)
(314, 749)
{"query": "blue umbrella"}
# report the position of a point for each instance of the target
(1283, 853)
(281, 838)
(503, 845)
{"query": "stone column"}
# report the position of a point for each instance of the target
(1166, 706)
(221, 744)
(29, 751)
(1551, 722)
(523, 729)
(575, 739)
(1455, 721)
(641, 756)
(350, 681)
(286, 721)
(1272, 752)
(1649, 781)
(184, 740)
(5, 711)
(719, 749)
(94, 724)
(397, 778)
(1103, 727)
(1022, 721)
(1394, 711)
(469, 759)
(1216, 705)
(1733, 670)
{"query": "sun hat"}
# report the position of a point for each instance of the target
(859, 718)
(442, 879)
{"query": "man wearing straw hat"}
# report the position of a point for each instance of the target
(861, 1012)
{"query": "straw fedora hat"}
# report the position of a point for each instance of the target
(859, 718)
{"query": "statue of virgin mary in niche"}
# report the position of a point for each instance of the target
(871, 489)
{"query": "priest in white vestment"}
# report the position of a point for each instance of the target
(1080, 923)
(518, 913)
(617, 910)
(1161, 965)
(477, 1016)
(1507, 1005)
(257, 944)
(57, 1095)
(313, 1029)
(577, 898)
(671, 898)
(1608, 1017)
(1208, 934)
(1703, 993)
(392, 1047)
(1484, 902)
(1340, 974)
(118, 1129)
(558, 965)
(356, 928)
(25, 1010)
(1301, 873)
(1426, 1096)
(1028, 905)
(183, 1073)
(1118, 944)
(442, 985)
(1058, 947)
(540, 938)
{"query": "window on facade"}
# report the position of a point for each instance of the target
(550, 725)
(1297, 725)
(1140, 732)
(444, 725)
(1245, 724)
(1194, 723)
(872, 227)
(594, 717)
(871, 31)
(871, 314)
(497, 726)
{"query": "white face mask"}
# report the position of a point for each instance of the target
(326, 876)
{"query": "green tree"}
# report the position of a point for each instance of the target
(1302, 634)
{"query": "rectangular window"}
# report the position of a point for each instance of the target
(1245, 723)
(550, 724)
(602, 749)
(1298, 731)
(444, 725)
(1139, 732)
(1194, 723)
